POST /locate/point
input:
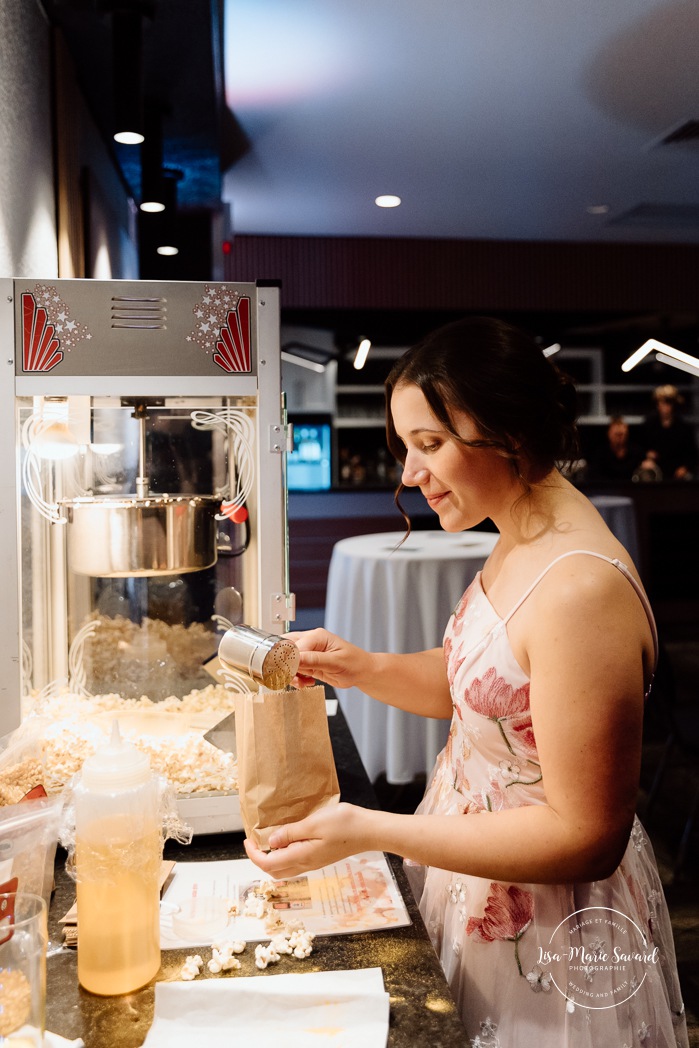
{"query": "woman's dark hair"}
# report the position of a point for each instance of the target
(519, 400)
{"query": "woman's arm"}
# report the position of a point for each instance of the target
(587, 634)
(416, 683)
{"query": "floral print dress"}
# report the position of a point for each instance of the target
(588, 965)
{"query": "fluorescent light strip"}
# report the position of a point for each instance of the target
(661, 347)
(362, 353)
(291, 358)
(550, 350)
(692, 369)
(683, 358)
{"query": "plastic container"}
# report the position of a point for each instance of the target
(118, 852)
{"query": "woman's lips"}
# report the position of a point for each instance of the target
(434, 500)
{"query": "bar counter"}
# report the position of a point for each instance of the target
(422, 1008)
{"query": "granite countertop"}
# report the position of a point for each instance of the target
(422, 1008)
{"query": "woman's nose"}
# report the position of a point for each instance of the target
(413, 477)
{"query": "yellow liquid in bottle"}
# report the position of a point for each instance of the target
(118, 908)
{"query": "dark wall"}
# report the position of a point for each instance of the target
(416, 274)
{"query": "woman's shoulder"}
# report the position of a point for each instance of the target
(573, 546)
(584, 596)
(584, 551)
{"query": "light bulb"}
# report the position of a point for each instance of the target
(53, 440)
(52, 437)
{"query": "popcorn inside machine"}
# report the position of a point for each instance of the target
(143, 513)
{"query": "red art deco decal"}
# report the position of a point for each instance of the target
(233, 349)
(40, 350)
(47, 329)
(223, 328)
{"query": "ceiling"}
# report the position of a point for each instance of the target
(182, 81)
(541, 120)
(505, 120)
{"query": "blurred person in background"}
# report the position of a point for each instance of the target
(669, 441)
(620, 455)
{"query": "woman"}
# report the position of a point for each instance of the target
(535, 880)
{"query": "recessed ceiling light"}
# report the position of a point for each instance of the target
(598, 209)
(387, 200)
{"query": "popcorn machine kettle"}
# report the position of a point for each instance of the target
(143, 510)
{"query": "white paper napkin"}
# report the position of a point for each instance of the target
(345, 1009)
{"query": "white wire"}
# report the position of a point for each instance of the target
(76, 664)
(243, 430)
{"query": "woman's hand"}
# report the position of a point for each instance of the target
(328, 658)
(329, 834)
(416, 683)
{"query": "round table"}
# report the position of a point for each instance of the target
(385, 597)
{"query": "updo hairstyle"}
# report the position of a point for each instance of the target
(519, 400)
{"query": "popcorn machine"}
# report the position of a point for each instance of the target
(143, 506)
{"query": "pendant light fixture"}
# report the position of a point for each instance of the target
(127, 75)
(152, 188)
(665, 355)
(165, 223)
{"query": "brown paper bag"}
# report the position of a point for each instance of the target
(286, 768)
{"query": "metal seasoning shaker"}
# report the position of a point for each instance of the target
(267, 658)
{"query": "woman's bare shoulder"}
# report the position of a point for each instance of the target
(585, 601)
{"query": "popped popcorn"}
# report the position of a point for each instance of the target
(301, 943)
(273, 923)
(216, 965)
(281, 944)
(19, 779)
(268, 890)
(188, 646)
(222, 957)
(74, 730)
(295, 942)
(265, 955)
(191, 967)
(298, 943)
(237, 946)
(255, 907)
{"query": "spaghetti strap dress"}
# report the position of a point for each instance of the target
(585, 965)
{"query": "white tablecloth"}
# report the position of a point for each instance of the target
(619, 514)
(398, 600)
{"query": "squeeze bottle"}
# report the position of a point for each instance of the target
(118, 851)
